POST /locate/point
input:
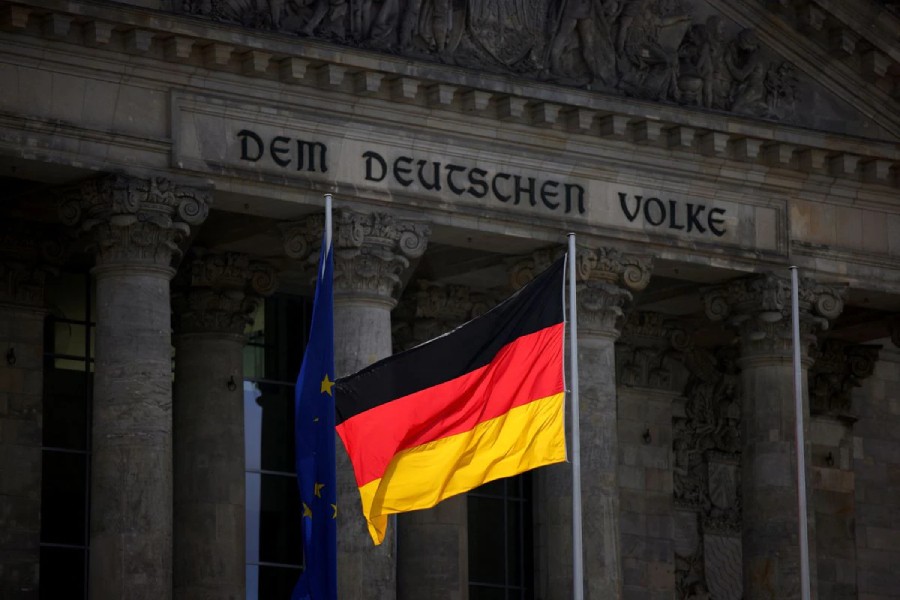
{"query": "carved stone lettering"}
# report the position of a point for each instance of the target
(674, 214)
(466, 180)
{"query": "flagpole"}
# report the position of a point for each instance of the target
(577, 567)
(327, 242)
(801, 453)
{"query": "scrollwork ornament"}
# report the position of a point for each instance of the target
(133, 220)
(523, 270)
(601, 308)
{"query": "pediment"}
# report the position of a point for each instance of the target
(813, 64)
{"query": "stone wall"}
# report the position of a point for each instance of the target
(876, 465)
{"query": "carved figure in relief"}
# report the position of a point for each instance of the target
(433, 22)
(647, 47)
(587, 24)
(749, 73)
(703, 79)
(781, 87)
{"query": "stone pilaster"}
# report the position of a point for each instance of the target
(759, 308)
(23, 272)
(840, 368)
(649, 379)
(214, 300)
(134, 227)
(371, 251)
(605, 276)
(432, 545)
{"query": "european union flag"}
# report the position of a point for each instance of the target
(314, 440)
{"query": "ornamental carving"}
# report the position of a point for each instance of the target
(219, 292)
(706, 477)
(435, 309)
(134, 221)
(839, 367)
(371, 251)
(759, 308)
(659, 50)
(646, 355)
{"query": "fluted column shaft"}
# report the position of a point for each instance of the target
(759, 308)
(216, 295)
(135, 226)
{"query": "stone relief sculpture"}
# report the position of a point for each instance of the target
(706, 477)
(650, 49)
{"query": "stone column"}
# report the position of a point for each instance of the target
(23, 272)
(134, 226)
(432, 545)
(840, 367)
(215, 297)
(603, 275)
(650, 379)
(371, 251)
(759, 308)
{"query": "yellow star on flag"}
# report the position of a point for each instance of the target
(317, 489)
(334, 506)
(327, 384)
(307, 512)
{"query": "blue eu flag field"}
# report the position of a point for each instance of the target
(314, 438)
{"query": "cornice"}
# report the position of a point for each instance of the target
(862, 68)
(280, 60)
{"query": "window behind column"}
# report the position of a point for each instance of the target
(65, 477)
(271, 361)
(501, 563)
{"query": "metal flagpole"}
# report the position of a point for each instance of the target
(801, 453)
(327, 242)
(577, 566)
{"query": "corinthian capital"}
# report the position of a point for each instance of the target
(132, 221)
(219, 292)
(604, 276)
(370, 253)
(759, 308)
(434, 309)
(840, 366)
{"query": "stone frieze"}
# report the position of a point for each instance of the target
(662, 50)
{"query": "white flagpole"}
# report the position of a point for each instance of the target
(327, 242)
(801, 453)
(577, 566)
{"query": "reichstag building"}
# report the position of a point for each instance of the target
(162, 171)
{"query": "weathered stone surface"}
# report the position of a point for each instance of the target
(134, 226)
(759, 308)
(215, 295)
(370, 253)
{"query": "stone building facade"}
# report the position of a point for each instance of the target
(162, 167)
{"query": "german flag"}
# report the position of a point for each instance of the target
(482, 402)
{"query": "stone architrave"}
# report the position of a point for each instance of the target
(134, 227)
(432, 545)
(215, 296)
(759, 308)
(605, 276)
(371, 251)
(25, 259)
